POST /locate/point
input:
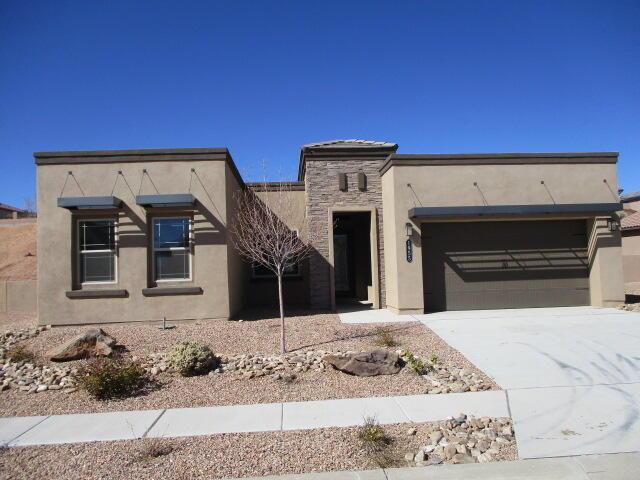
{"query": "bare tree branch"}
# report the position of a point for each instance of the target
(263, 232)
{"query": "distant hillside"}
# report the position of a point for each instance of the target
(17, 241)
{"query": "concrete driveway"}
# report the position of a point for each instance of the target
(572, 374)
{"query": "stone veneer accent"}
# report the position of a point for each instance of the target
(321, 184)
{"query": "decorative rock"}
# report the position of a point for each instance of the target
(412, 431)
(92, 343)
(484, 458)
(449, 451)
(367, 364)
(420, 456)
(461, 458)
(464, 439)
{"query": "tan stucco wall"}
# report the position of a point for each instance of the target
(260, 291)
(631, 256)
(453, 185)
(19, 296)
(55, 252)
(606, 283)
(237, 268)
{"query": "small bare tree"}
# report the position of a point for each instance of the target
(264, 234)
(30, 206)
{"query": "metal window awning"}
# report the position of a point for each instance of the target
(89, 203)
(166, 200)
(424, 213)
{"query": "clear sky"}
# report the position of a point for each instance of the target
(264, 77)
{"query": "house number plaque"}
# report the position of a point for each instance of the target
(409, 251)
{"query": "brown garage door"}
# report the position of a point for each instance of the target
(486, 265)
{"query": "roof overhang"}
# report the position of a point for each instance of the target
(631, 197)
(89, 203)
(166, 200)
(436, 159)
(587, 209)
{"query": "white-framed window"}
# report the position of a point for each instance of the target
(171, 249)
(97, 246)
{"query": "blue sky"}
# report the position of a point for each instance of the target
(262, 78)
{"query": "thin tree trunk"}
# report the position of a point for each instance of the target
(283, 346)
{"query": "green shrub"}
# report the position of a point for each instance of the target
(106, 378)
(20, 353)
(415, 363)
(192, 358)
(384, 338)
(434, 359)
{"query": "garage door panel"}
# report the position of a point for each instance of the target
(505, 265)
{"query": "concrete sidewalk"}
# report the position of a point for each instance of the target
(623, 466)
(188, 422)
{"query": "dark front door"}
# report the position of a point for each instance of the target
(342, 263)
(490, 265)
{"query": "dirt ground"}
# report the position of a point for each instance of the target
(304, 332)
(228, 455)
(18, 252)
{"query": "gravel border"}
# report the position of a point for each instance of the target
(229, 455)
(315, 331)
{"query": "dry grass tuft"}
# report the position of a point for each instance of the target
(151, 448)
(20, 353)
(376, 443)
(384, 338)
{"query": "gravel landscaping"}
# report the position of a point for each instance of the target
(230, 455)
(249, 347)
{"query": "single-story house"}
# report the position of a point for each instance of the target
(7, 211)
(138, 235)
(630, 227)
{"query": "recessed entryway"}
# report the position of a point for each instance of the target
(353, 258)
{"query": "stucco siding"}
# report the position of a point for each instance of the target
(56, 230)
(406, 187)
(631, 256)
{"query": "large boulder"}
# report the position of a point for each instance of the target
(92, 343)
(367, 364)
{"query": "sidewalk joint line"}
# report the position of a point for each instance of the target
(576, 386)
(281, 416)
(28, 430)
(395, 399)
(506, 393)
(153, 424)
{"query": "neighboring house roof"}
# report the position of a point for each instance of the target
(630, 222)
(371, 147)
(9, 208)
(630, 197)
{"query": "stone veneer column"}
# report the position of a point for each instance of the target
(321, 184)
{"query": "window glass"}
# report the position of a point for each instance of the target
(171, 249)
(97, 235)
(97, 251)
(171, 232)
(97, 267)
(262, 271)
(172, 264)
